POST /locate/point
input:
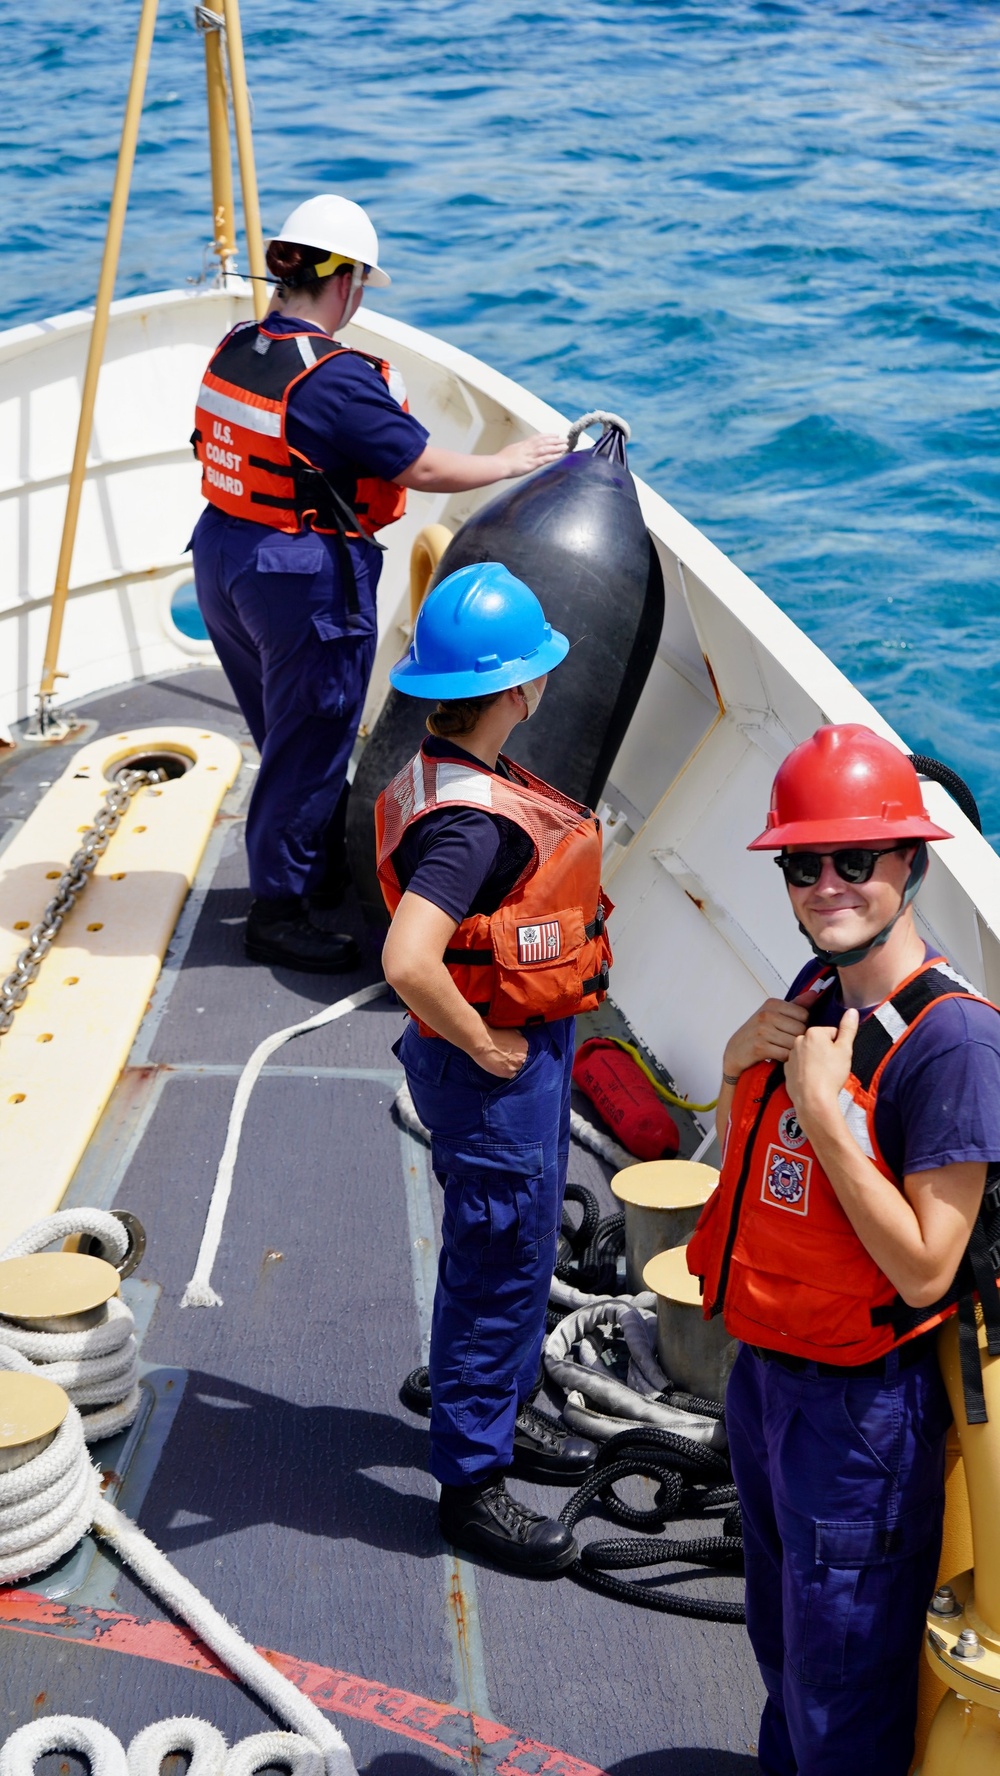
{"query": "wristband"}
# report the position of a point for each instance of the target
(730, 1079)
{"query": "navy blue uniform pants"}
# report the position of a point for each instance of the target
(299, 667)
(499, 1150)
(841, 1486)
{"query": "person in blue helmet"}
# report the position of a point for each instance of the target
(307, 448)
(492, 878)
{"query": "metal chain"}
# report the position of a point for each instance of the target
(71, 885)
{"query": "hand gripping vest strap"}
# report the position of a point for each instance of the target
(248, 468)
(979, 1270)
(800, 1234)
(544, 954)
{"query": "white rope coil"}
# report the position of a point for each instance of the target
(598, 417)
(52, 1500)
(199, 1292)
(197, 1740)
(47, 1503)
(98, 1368)
(597, 1404)
(580, 1129)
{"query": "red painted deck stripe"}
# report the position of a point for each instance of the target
(453, 1731)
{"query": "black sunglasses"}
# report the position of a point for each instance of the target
(855, 864)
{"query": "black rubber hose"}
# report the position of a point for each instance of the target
(698, 1403)
(415, 1391)
(716, 1495)
(618, 1556)
(580, 1237)
(669, 1603)
(950, 780)
(652, 1452)
(691, 1458)
(669, 1493)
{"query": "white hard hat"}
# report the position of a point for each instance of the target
(340, 228)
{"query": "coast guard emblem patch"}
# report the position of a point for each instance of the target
(538, 943)
(786, 1181)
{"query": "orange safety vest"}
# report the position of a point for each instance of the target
(777, 1255)
(249, 470)
(544, 954)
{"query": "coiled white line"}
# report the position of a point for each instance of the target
(203, 1744)
(98, 1368)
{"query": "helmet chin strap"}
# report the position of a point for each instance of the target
(846, 958)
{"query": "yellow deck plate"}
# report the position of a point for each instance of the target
(70, 1040)
(30, 1408)
(665, 1184)
(48, 1285)
(667, 1274)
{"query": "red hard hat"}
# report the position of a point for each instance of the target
(845, 786)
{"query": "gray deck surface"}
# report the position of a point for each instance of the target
(291, 1485)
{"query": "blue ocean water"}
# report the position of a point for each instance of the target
(764, 230)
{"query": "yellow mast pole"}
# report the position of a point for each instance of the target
(211, 24)
(244, 145)
(102, 304)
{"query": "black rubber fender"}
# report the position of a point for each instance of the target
(575, 534)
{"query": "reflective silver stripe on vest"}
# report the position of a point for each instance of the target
(306, 352)
(857, 1122)
(417, 779)
(893, 1025)
(952, 974)
(456, 783)
(255, 419)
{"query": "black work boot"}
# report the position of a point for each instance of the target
(484, 1519)
(280, 931)
(545, 1450)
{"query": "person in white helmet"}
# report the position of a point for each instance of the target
(307, 447)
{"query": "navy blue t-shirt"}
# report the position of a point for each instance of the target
(345, 419)
(462, 860)
(939, 1097)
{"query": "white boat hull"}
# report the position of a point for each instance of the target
(701, 930)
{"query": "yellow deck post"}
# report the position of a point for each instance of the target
(220, 147)
(964, 1738)
(244, 146)
(102, 304)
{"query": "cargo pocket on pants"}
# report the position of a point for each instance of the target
(492, 1192)
(865, 1597)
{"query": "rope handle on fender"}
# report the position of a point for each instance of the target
(597, 417)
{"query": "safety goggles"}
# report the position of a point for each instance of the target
(855, 864)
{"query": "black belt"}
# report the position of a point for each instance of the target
(914, 1351)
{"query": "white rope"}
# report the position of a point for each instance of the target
(52, 1500)
(581, 1130)
(598, 417)
(100, 1222)
(98, 1368)
(196, 1740)
(597, 1404)
(201, 1743)
(48, 1503)
(199, 1292)
(239, 1657)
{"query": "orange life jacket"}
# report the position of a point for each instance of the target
(249, 470)
(778, 1257)
(544, 954)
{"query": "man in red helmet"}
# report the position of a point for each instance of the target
(861, 1117)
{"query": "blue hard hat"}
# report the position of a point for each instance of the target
(480, 630)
